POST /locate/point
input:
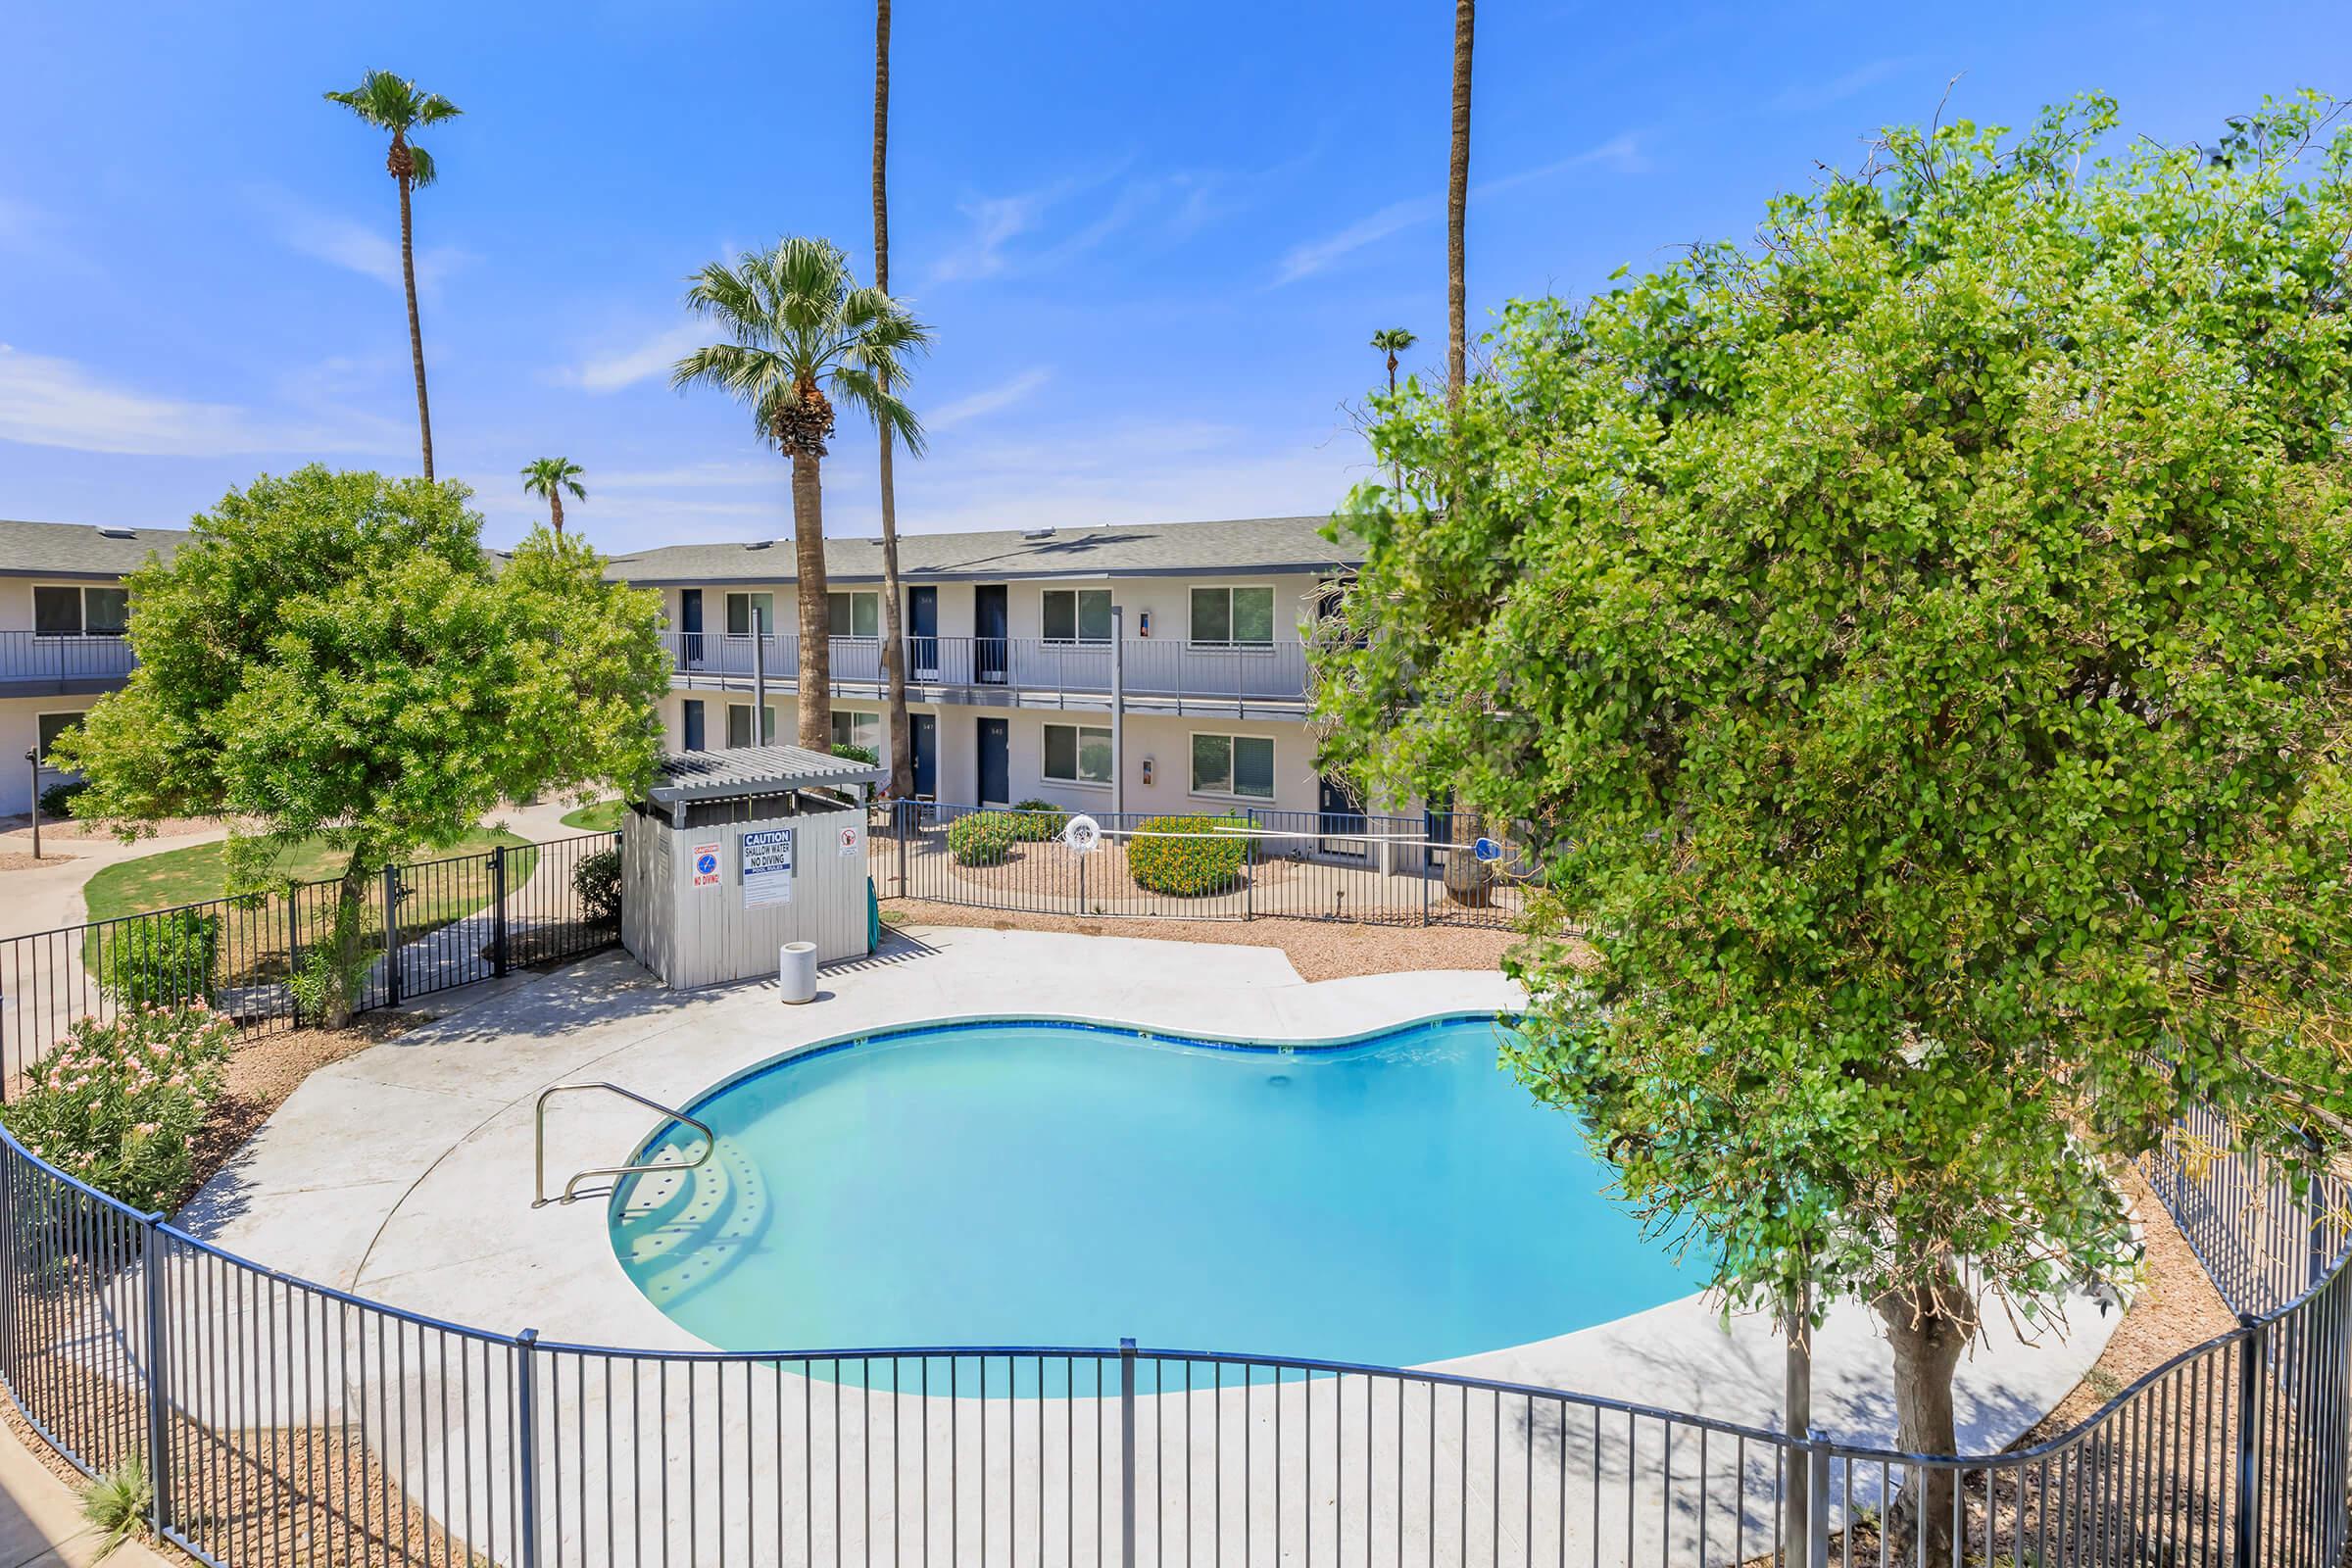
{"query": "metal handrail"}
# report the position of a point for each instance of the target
(540, 1199)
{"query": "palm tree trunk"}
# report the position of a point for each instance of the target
(1457, 206)
(817, 648)
(555, 509)
(894, 642)
(408, 275)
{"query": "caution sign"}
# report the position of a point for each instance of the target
(706, 865)
(767, 867)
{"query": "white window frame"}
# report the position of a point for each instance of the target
(1232, 789)
(849, 597)
(750, 599)
(1077, 755)
(77, 714)
(1193, 639)
(768, 714)
(1077, 597)
(82, 592)
(866, 730)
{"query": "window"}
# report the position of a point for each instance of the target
(739, 724)
(853, 728)
(739, 614)
(52, 725)
(1234, 764)
(66, 611)
(1077, 754)
(854, 615)
(1233, 618)
(1077, 614)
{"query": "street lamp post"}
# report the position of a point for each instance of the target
(33, 759)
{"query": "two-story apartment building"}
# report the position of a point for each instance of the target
(62, 614)
(1145, 668)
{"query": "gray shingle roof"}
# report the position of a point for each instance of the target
(1241, 546)
(78, 549)
(751, 770)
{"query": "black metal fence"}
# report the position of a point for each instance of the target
(445, 923)
(1246, 863)
(285, 1422)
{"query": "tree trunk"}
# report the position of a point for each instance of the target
(816, 630)
(1928, 1334)
(343, 940)
(1457, 206)
(896, 729)
(408, 274)
(555, 511)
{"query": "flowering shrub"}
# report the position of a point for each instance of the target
(117, 1103)
(1187, 866)
(160, 960)
(1037, 821)
(984, 838)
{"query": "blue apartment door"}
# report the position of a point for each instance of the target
(694, 725)
(995, 762)
(690, 629)
(926, 754)
(1335, 818)
(990, 621)
(922, 633)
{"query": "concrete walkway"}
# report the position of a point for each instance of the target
(40, 1518)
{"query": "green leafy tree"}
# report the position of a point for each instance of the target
(800, 328)
(335, 654)
(552, 478)
(393, 104)
(1919, 648)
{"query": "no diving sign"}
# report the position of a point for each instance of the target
(706, 865)
(767, 867)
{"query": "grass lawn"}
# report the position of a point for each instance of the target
(603, 817)
(197, 873)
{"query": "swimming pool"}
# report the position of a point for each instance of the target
(1396, 1199)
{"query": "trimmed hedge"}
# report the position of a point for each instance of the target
(1188, 868)
(849, 752)
(1039, 822)
(58, 799)
(983, 838)
(160, 960)
(596, 880)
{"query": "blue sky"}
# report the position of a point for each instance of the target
(1153, 240)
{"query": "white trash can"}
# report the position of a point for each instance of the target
(796, 971)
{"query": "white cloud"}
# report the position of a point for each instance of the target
(370, 249)
(1304, 260)
(51, 402)
(988, 400)
(641, 361)
(1619, 155)
(997, 221)
(1820, 94)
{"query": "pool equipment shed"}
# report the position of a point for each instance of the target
(734, 854)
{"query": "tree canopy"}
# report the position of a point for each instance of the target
(336, 655)
(1918, 647)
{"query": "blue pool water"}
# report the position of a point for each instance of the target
(1393, 1201)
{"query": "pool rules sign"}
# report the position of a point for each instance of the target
(767, 867)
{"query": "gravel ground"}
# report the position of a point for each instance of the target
(1319, 949)
(12, 860)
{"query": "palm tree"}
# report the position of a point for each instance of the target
(1466, 877)
(894, 646)
(801, 327)
(391, 103)
(1457, 206)
(1392, 341)
(551, 477)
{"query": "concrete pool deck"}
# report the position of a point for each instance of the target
(404, 1172)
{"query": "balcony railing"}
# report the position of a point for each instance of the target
(37, 659)
(1156, 668)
